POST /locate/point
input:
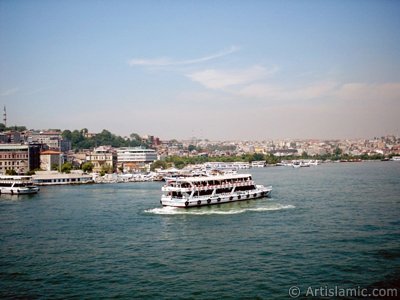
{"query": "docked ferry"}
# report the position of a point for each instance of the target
(17, 185)
(200, 191)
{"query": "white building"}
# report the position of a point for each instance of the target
(55, 178)
(131, 159)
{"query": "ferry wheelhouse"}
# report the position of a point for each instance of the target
(17, 185)
(199, 191)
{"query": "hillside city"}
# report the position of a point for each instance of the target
(25, 151)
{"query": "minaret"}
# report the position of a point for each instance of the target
(5, 116)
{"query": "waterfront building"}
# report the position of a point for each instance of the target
(133, 159)
(56, 178)
(102, 158)
(20, 158)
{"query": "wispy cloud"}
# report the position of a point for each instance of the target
(220, 79)
(254, 83)
(9, 92)
(161, 62)
(36, 91)
(376, 92)
(277, 92)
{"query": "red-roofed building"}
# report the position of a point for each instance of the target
(50, 159)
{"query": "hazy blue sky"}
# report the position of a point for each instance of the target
(211, 69)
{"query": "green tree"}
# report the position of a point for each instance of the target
(84, 131)
(159, 164)
(76, 137)
(191, 148)
(17, 128)
(11, 172)
(135, 136)
(87, 167)
(67, 135)
(258, 157)
(106, 169)
(337, 153)
(66, 167)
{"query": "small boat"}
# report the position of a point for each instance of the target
(17, 185)
(209, 190)
(296, 164)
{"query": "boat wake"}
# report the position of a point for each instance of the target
(212, 210)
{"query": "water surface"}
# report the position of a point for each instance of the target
(335, 225)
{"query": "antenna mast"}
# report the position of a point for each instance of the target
(5, 116)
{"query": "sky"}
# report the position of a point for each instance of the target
(222, 70)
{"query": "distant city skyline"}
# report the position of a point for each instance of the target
(221, 70)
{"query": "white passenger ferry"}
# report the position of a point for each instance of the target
(199, 191)
(17, 185)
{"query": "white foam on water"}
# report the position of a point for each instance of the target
(209, 210)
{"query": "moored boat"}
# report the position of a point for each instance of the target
(200, 191)
(17, 185)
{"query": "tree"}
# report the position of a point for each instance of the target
(66, 167)
(106, 169)
(158, 164)
(304, 154)
(135, 136)
(87, 167)
(84, 131)
(11, 172)
(67, 135)
(17, 128)
(76, 137)
(258, 157)
(338, 152)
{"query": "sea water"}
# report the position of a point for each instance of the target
(333, 225)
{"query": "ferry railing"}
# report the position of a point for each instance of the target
(219, 186)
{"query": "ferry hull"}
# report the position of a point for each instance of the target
(217, 199)
(19, 191)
